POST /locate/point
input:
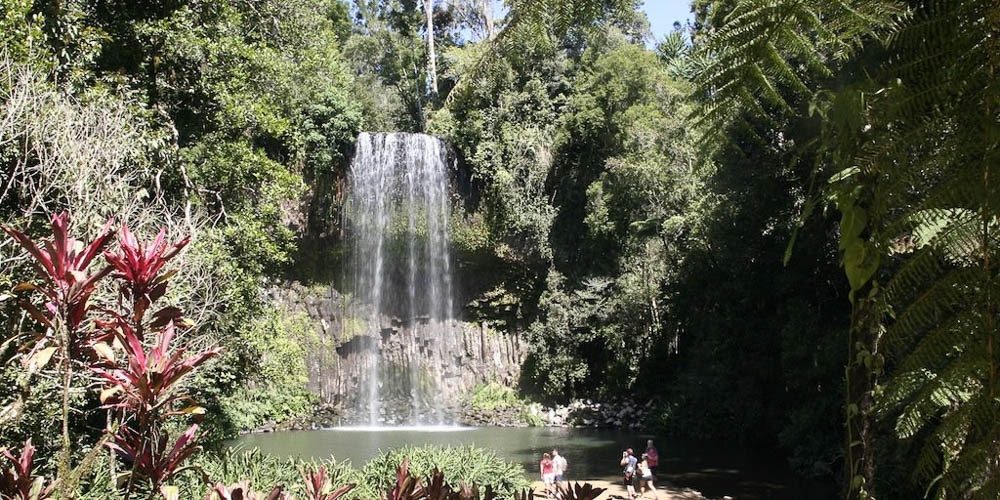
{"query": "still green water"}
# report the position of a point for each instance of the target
(591, 454)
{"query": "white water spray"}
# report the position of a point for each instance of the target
(398, 224)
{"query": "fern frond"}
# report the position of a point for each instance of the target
(811, 35)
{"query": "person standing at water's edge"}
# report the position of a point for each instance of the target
(547, 468)
(653, 457)
(646, 476)
(560, 465)
(629, 462)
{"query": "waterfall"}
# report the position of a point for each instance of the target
(399, 233)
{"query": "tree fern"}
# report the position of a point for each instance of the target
(940, 111)
(766, 45)
(915, 143)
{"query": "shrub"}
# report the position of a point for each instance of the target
(140, 391)
(462, 469)
(264, 472)
(466, 464)
(250, 467)
(492, 396)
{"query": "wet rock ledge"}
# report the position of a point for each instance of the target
(577, 413)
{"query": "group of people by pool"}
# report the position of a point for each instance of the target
(638, 473)
(552, 468)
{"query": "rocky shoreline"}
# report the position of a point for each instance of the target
(577, 413)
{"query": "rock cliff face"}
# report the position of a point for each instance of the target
(447, 367)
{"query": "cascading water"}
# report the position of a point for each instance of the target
(398, 227)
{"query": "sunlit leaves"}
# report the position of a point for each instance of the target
(767, 46)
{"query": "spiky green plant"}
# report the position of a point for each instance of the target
(462, 464)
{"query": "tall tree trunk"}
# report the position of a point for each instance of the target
(431, 58)
(486, 11)
(858, 229)
(862, 374)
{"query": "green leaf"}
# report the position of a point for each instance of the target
(860, 264)
(853, 221)
(41, 358)
(844, 174)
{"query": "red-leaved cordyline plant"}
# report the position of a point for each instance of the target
(242, 491)
(146, 384)
(17, 481)
(436, 487)
(407, 486)
(138, 269)
(62, 263)
(319, 487)
(577, 491)
(148, 451)
(144, 389)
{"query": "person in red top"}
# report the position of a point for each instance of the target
(653, 457)
(548, 469)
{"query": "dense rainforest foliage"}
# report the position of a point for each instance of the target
(779, 222)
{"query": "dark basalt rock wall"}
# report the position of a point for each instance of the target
(467, 355)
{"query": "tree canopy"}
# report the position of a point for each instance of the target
(778, 223)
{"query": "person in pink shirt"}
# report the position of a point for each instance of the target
(548, 470)
(653, 457)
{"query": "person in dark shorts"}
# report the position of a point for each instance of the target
(630, 475)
